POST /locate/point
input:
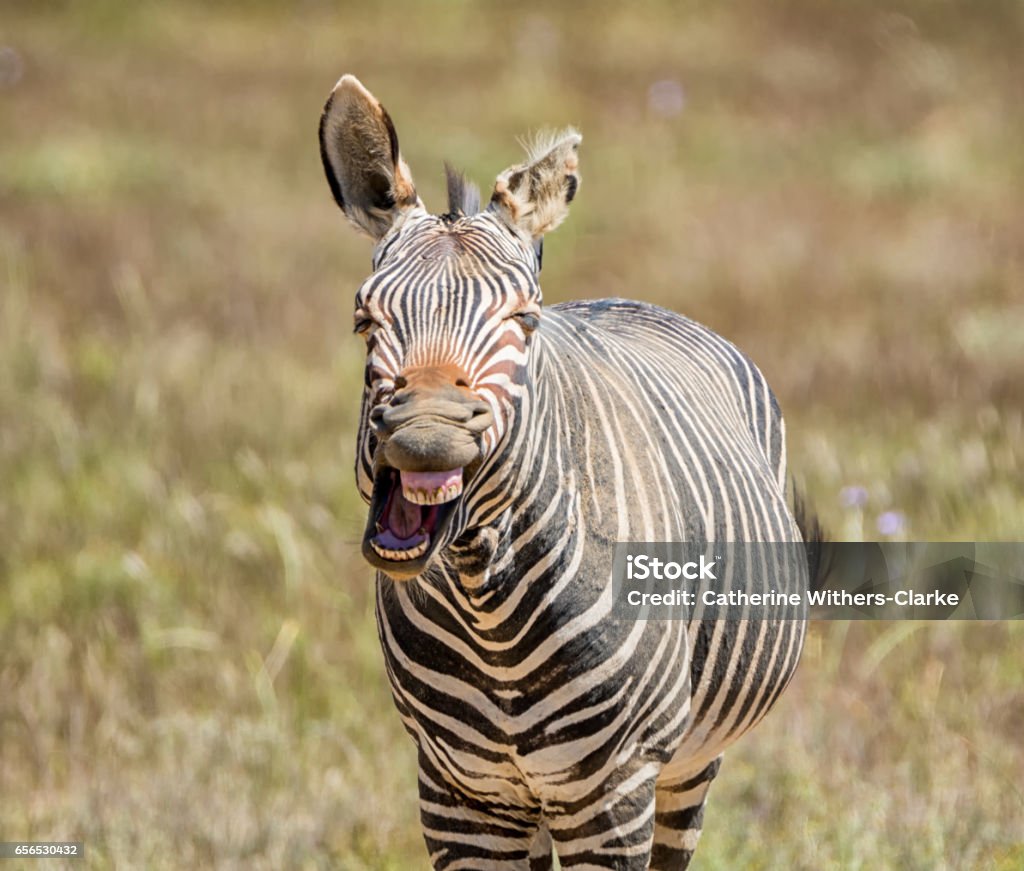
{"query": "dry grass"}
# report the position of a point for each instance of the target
(189, 673)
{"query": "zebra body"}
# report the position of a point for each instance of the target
(539, 717)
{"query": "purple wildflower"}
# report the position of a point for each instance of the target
(853, 497)
(892, 523)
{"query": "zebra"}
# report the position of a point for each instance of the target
(503, 449)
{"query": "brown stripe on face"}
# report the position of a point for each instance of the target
(494, 305)
(508, 338)
(505, 367)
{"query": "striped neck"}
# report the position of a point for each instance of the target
(524, 515)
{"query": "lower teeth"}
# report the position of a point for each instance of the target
(413, 552)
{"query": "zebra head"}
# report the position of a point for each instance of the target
(448, 315)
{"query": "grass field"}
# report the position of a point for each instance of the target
(189, 671)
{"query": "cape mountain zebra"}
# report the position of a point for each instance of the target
(503, 451)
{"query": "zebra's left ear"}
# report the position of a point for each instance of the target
(534, 196)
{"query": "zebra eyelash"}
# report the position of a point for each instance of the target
(363, 324)
(528, 321)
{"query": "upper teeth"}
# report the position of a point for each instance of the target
(432, 497)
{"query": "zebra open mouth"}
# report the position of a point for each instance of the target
(408, 510)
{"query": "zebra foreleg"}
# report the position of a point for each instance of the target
(679, 816)
(465, 834)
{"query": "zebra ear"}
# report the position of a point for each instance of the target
(534, 196)
(359, 149)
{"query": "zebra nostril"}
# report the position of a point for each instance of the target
(377, 416)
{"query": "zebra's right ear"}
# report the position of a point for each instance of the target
(359, 148)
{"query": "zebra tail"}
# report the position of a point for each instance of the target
(819, 550)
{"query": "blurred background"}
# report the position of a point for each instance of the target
(189, 671)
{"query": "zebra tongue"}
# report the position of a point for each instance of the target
(431, 488)
(404, 519)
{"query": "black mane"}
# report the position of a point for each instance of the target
(463, 195)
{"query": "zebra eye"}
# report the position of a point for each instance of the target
(363, 324)
(528, 320)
